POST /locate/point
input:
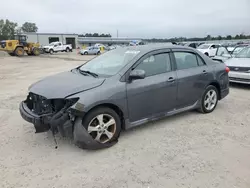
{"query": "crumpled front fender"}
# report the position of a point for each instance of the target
(84, 140)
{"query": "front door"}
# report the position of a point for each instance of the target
(155, 93)
(193, 76)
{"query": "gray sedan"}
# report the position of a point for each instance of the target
(240, 67)
(92, 50)
(124, 88)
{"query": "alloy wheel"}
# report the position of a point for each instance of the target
(102, 128)
(210, 100)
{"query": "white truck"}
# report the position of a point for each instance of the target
(57, 47)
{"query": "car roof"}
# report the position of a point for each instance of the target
(152, 47)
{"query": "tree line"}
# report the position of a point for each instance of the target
(207, 38)
(94, 35)
(8, 29)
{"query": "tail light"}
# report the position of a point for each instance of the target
(227, 70)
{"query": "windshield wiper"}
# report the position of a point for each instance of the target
(88, 72)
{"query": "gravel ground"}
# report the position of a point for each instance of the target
(186, 150)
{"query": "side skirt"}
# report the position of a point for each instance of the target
(129, 124)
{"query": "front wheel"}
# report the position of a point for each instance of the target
(98, 53)
(67, 49)
(36, 51)
(103, 125)
(209, 100)
(51, 51)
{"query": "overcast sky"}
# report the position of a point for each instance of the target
(133, 18)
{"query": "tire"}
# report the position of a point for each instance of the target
(19, 51)
(67, 50)
(98, 53)
(98, 129)
(51, 51)
(206, 54)
(85, 53)
(205, 101)
(36, 51)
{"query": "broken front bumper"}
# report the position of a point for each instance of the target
(40, 123)
(62, 123)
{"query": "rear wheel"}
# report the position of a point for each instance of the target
(19, 52)
(98, 53)
(85, 53)
(103, 125)
(67, 49)
(209, 100)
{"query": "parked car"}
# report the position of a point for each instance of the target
(124, 88)
(57, 47)
(112, 47)
(240, 67)
(191, 44)
(222, 54)
(92, 50)
(238, 48)
(208, 49)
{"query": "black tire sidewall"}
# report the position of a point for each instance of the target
(85, 53)
(103, 110)
(203, 109)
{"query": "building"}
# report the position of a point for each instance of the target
(74, 40)
(46, 38)
(90, 41)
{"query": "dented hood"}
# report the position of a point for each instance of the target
(64, 84)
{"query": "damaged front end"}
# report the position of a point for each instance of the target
(58, 116)
(48, 114)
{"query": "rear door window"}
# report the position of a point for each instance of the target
(185, 60)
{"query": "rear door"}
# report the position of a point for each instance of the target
(58, 47)
(193, 76)
(93, 50)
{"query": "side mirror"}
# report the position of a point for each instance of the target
(137, 74)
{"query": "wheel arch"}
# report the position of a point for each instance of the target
(19, 46)
(217, 85)
(112, 106)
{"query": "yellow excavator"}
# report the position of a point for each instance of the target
(19, 46)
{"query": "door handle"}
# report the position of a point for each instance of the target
(204, 72)
(171, 79)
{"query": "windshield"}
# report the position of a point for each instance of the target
(204, 46)
(111, 62)
(52, 44)
(244, 53)
(238, 49)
